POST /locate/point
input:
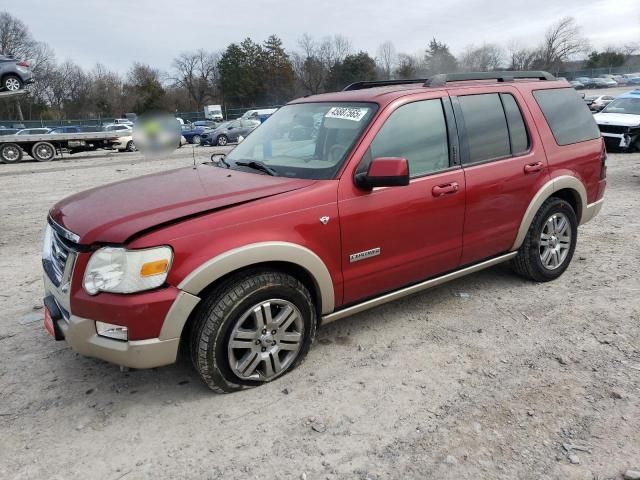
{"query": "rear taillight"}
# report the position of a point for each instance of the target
(603, 164)
(23, 64)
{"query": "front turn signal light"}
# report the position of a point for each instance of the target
(157, 267)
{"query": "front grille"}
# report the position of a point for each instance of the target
(613, 129)
(58, 251)
(59, 255)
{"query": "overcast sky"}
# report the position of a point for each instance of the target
(118, 32)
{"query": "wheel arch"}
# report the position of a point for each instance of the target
(289, 257)
(566, 187)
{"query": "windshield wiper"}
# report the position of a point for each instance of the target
(258, 165)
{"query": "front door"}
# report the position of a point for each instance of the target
(395, 236)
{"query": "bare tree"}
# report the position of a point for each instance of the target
(562, 41)
(309, 72)
(408, 66)
(197, 72)
(386, 58)
(316, 59)
(519, 57)
(630, 48)
(15, 38)
(486, 58)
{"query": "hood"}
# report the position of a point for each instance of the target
(621, 119)
(115, 212)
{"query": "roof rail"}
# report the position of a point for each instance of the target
(382, 83)
(441, 80)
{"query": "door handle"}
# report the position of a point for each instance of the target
(533, 167)
(446, 189)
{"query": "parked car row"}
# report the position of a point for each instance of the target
(206, 132)
(606, 81)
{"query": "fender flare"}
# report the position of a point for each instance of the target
(547, 190)
(263, 252)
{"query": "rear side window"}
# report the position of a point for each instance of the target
(418, 132)
(517, 130)
(486, 127)
(567, 115)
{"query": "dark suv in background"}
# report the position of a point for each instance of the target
(14, 74)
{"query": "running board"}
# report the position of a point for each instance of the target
(403, 292)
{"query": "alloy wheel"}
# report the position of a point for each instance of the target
(555, 241)
(265, 340)
(12, 84)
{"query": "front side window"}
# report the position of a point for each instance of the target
(304, 140)
(486, 129)
(418, 132)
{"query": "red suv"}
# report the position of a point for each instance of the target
(338, 203)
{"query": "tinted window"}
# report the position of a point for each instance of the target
(486, 127)
(418, 132)
(567, 115)
(517, 130)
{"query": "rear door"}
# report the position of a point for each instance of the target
(504, 166)
(394, 236)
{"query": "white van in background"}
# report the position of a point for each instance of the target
(213, 112)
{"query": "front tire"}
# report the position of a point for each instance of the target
(253, 328)
(131, 147)
(195, 139)
(222, 140)
(548, 248)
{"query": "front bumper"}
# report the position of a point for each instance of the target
(618, 140)
(81, 334)
(161, 314)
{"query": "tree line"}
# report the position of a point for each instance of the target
(251, 73)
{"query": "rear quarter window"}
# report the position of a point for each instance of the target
(567, 115)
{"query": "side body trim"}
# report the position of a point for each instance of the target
(263, 252)
(553, 185)
(403, 292)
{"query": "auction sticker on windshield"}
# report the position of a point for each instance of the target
(347, 113)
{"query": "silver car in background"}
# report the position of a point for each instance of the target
(14, 74)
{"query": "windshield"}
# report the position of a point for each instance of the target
(306, 140)
(624, 105)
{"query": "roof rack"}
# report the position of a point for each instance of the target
(382, 83)
(441, 80)
(503, 76)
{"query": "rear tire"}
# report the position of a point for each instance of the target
(131, 147)
(12, 83)
(548, 248)
(10, 153)
(43, 151)
(251, 329)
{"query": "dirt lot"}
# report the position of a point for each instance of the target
(485, 377)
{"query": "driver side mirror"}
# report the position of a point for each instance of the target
(384, 172)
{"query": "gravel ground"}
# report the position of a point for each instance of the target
(489, 376)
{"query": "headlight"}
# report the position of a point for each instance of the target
(118, 270)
